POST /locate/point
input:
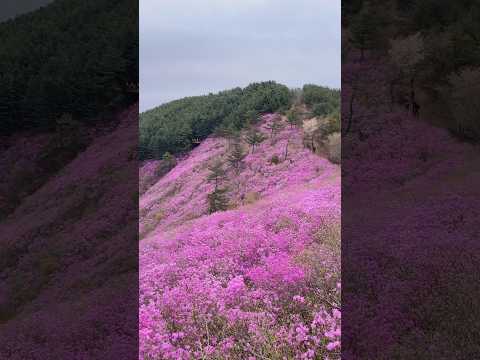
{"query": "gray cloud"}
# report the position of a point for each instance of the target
(193, 47)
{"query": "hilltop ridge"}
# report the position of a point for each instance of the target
(180, 194)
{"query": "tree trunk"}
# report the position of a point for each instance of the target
(286, 149)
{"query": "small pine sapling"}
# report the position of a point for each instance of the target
(217, 200)
(235, 159)
(275, 127)
(254, 138)
(217, 174)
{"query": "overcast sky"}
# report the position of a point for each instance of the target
(193, 47)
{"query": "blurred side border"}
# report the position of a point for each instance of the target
(410, 162)
(69, 179)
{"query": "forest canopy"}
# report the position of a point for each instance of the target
(322, 100)
(175, 127)
(78, 57)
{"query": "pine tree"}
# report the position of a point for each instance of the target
(254, 138)
(407, 54)
(252, 117)
(236, 157)
(223, 131)
(217, 174)
(292, 118)
(228, 132)
(364, 30)
(217, 200)
(275, 127)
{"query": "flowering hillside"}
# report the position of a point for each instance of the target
(258, 281)
(66, 269)
(422, 231)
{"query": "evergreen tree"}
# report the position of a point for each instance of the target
(228, 132)
(224, 131)
(407, 54)
(254, 138)
(293, 118)
(217, 200)
(275, 127)
(236, 157)
(252, 117)
(217, 174)
(364, 29)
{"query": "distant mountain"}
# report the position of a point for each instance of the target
(12, 8)
(77, 57)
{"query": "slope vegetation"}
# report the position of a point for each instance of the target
(259, 280)
(71, 56)
(175, 126)
(67, 255)
(407, 253)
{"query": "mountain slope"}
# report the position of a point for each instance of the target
(81, 55)
(402, 293)
(66, 269)
(260, 280)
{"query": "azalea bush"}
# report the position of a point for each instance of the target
(261, 281)
(409, 224)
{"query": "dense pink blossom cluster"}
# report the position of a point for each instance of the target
(148, 174)
(147, 168)
(249, 283)
(180, 195)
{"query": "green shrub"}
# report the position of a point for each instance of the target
(275, 160)
(313, 94)
(322, 109)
